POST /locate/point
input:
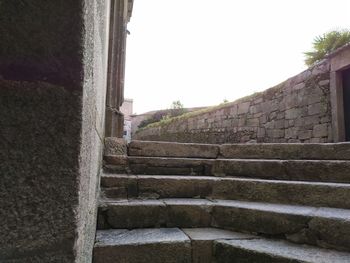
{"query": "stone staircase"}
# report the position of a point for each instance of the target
(173, 202)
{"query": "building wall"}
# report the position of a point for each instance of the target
(53, 68)
(127, 109)
(297, 110)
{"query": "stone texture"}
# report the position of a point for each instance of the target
(52, 117)
(301, 101)
(271, 169)
(297, 170)
(261, 218)
(143, 245)
(263, 250)
(173, 166)
(39, 150)
(32, 47)
(134, 214)
(115, 146)
(324, 227)
(174, 186)
(300, 224)
(164, 149)
(202, 240)
(321, 171)
(188, 212)
(338, 151)
(284, 192)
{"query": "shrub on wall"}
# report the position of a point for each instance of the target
(176, 109)
(325, 44)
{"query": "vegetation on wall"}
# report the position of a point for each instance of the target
(176, 109)
(325, 44)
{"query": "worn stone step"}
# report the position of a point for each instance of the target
(202, 245)
(324, 227)
(142, 245)
(295, 170)
(285, 151)
(287, 192)
(173, 149)
(202, 241)
(273, 251)
(155, 213)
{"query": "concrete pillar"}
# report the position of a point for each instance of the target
(53, 83)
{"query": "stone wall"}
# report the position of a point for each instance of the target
(297, 110)
(53, 64)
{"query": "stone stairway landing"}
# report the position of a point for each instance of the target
(175, 202)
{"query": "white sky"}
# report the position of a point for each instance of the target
(204, 51)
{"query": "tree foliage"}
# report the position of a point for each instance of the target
(324, 44)
(177, 108)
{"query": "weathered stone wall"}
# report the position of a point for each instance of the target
(297, 110)
(53, 63)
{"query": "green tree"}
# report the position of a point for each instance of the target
(177, 108)
(324, 44)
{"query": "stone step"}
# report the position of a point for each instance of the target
(273, 251)
(142, 246)
(285, 192)
(202, 241)
(284, 151)
(173, 149)
(295, 170)
(202, 245)
(324, 227)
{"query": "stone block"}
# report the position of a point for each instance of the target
(173, 149)
(324, 82)
(299, 86)
(253, 122)
(255, 109)
(315, 109)
(292, 113)
(188, 212)
(304, 134)
(134, 214)
(115, 146)
(279, 124)
(275, 133)
(243, 108)
(273, 251)
(260, 218)
(142, 246)
(311, 120)
(320, 130)
(313, 98)
(202, 241)
(261, 132)
(174, 187)
(291, 133)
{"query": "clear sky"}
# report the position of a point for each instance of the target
(204, 51)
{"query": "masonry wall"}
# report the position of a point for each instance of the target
(53, 59)
(297, 110)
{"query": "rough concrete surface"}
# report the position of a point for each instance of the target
(52, 70)
(39, 166)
